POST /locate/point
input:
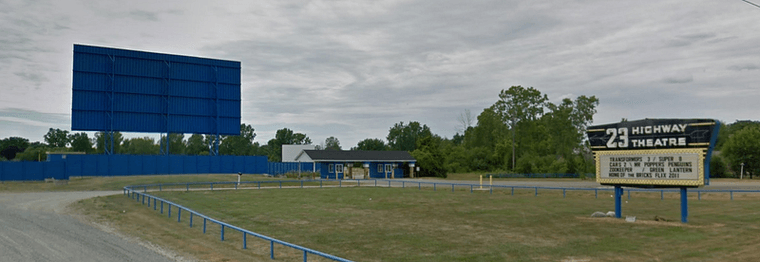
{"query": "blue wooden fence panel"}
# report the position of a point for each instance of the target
(128, 165)
(135, 165)
(119, 165)
(13, 171)
(239, 164)
(32, 171)
(190, 164)
(215, 164)
(162, 165)
(102, 164)
(55, 170)
(176, 164)
(228, 165)
(204, 164)
(149, 165)
(74, 165)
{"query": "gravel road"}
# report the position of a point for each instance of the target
(35, 227)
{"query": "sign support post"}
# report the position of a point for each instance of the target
(684, 206)
(618, 205)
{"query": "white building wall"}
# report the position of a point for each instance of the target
(290, 152)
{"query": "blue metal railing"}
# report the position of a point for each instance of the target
(133, 192)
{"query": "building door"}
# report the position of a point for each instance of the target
(338, 171)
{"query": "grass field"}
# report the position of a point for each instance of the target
(394, 224)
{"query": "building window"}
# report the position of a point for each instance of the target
(339, 169)
(379, 168)
(330, 168)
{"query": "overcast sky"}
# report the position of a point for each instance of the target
(352, 69)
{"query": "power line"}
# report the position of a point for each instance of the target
(758, 6)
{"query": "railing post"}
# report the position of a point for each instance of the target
(212, 186)
(280, 184)
(162, 206)
(204, 225)
(170, 210)
(245, 240)
(596, 193)
(629, 194)
(271, 249)
(145, 189)
(160, 187)
(154, 204)
(340, 182)
(470, 188)
(452, 188)
(563, 193)
(434, 187)
(222, 232)
(304, 256)
(536, 192)
(699, 195)
(419, 185)
(191, 219)
(662, 194)
(320, 183)
(403, 185)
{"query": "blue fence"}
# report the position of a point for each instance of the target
(276, 168)
(547, 175)
(32, 171)
(133, 192)
(130, 165)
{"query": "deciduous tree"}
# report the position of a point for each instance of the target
(57, 137)
(80, 142)
(405, 137)
(332, 143)
(744, 147)
(284, 136)
(371, 144)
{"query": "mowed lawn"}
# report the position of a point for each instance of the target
(395, 224)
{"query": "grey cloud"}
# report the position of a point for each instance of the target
(33, 77)
(143, 15)
(689, 39)
(747, 66)
(54, 119)
(678, 79)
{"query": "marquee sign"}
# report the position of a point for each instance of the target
(653, 152)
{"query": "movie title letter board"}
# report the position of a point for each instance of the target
(653, 152)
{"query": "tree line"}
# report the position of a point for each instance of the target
(522, 132)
